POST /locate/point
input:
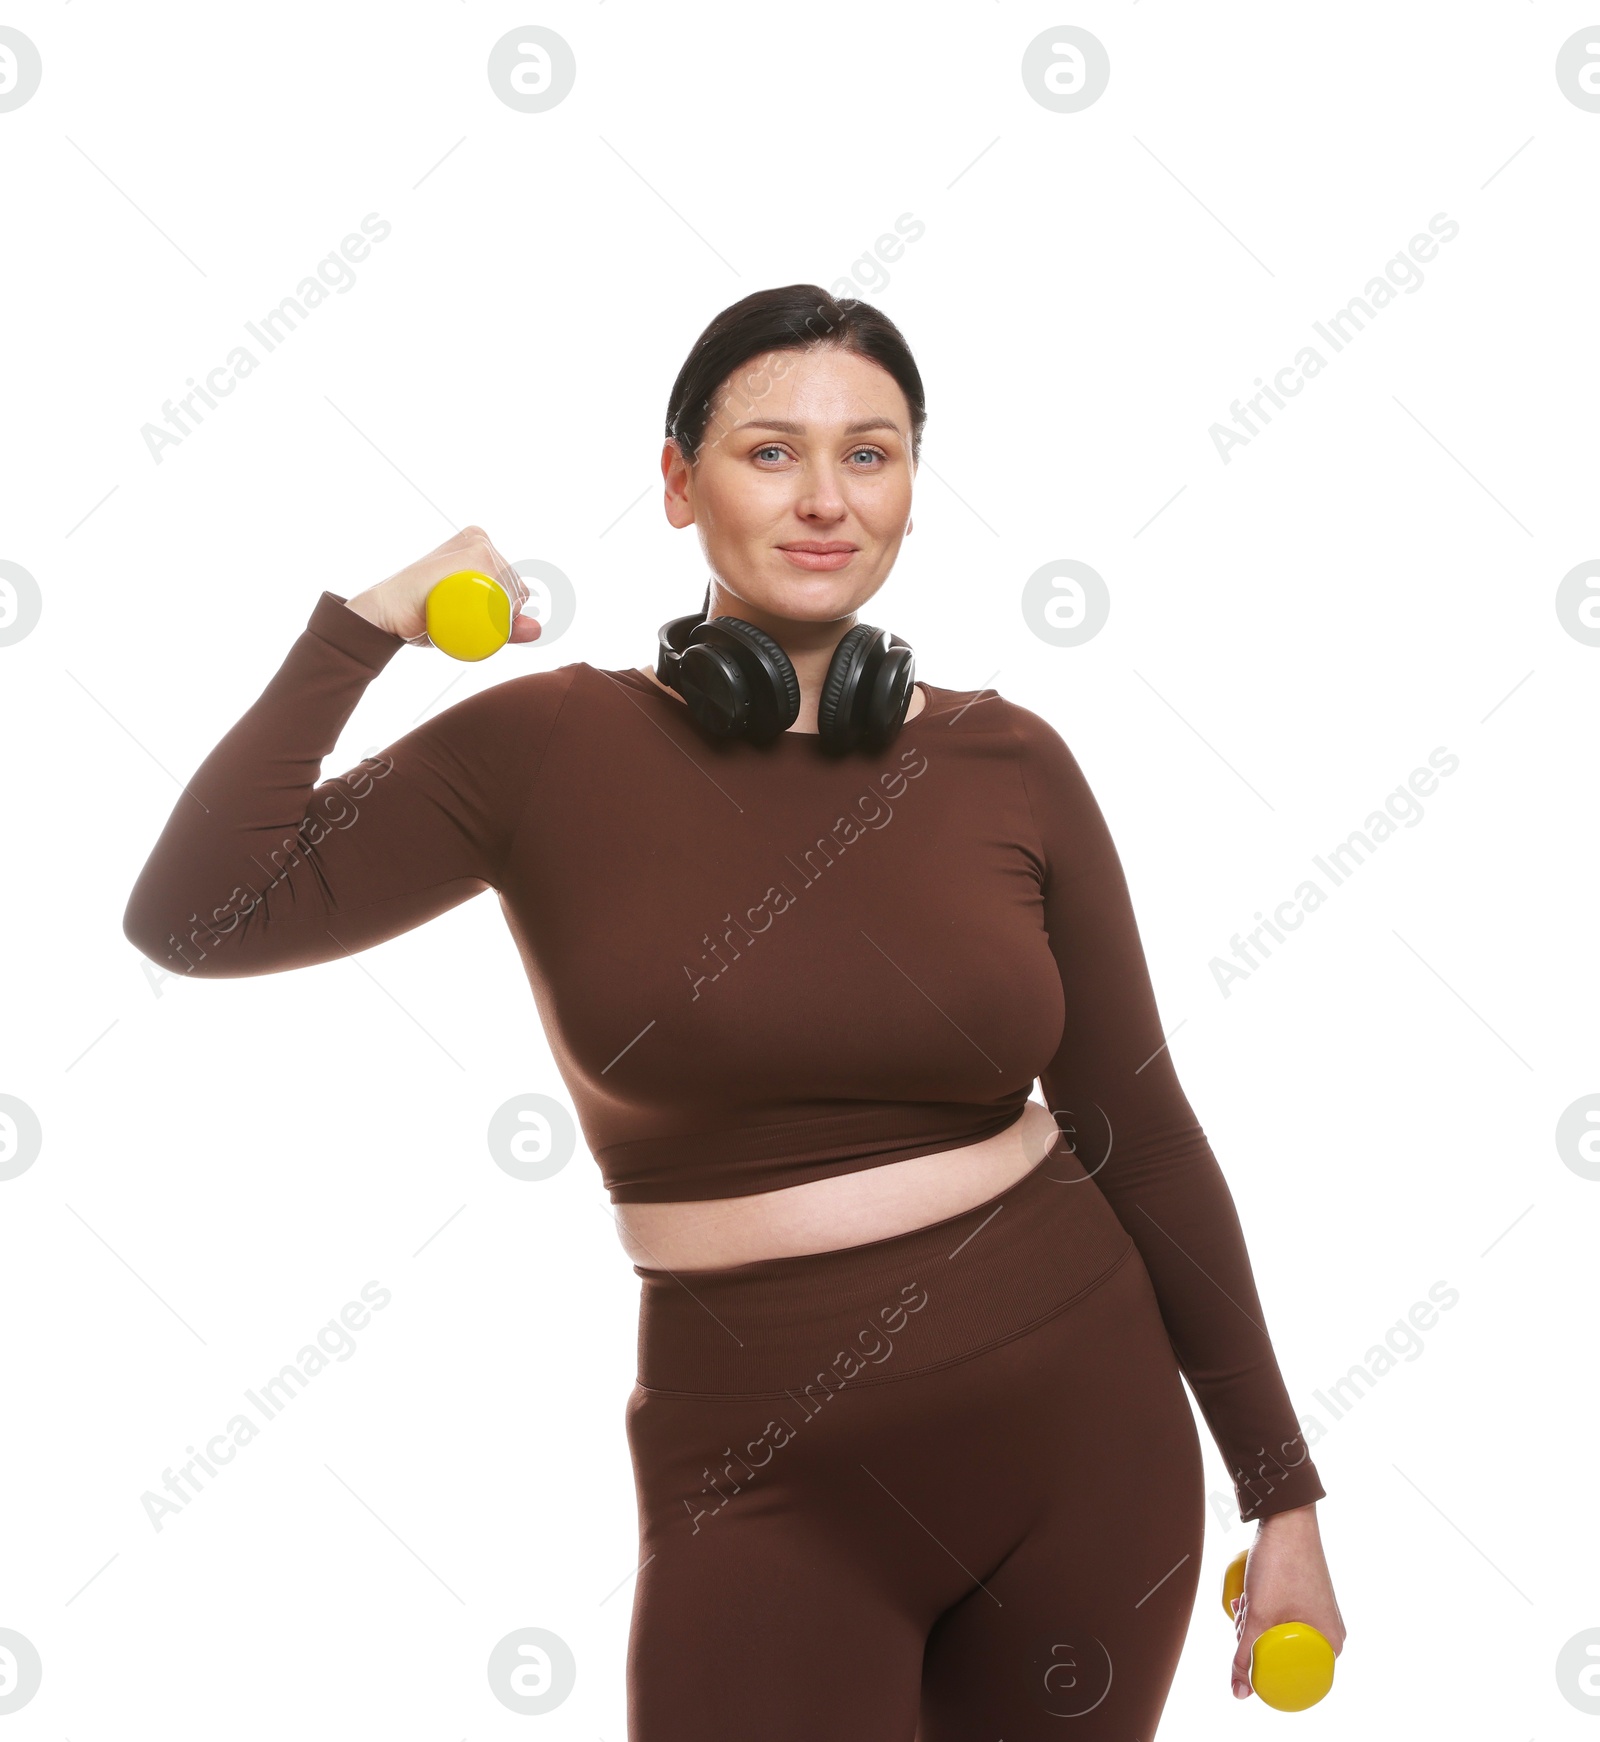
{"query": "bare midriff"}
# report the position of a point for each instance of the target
(846, 1210)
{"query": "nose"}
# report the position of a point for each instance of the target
(820, 495)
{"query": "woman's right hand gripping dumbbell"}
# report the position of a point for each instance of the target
(400, 603)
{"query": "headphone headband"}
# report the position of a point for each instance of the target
(673, 638)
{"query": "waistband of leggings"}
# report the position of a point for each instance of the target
(881, 1310)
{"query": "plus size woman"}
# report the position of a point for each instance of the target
(912, 1453)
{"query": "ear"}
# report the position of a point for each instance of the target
(677, 500)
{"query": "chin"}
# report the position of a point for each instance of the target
(820, 599)
(838, 588)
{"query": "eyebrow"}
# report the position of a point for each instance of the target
(786, 428)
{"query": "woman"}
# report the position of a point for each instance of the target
(911, 1447)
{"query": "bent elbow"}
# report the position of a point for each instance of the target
(152, 935)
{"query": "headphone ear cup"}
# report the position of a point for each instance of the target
(768, 678)
(835, 725)
(710, 681)
(891, 696)
(839, 713)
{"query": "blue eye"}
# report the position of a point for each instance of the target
(777, 449)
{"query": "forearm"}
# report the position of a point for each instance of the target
(1113, 1083)
(1170, 1194)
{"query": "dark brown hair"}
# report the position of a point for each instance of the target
(794, 317)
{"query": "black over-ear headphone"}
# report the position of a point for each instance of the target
(739, 682)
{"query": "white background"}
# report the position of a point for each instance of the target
(225, 1163)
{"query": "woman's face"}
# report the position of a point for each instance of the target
(802, 448)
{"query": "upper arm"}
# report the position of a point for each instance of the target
(261, 870)
(1112, 1070)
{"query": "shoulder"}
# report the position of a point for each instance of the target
(511, 710)
(1006, 732)
(593, 705)
(985, 712)
(529, 690)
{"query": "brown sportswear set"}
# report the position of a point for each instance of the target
(885, 1485)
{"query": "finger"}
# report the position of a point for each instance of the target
(525, 629)
(509, 568)
(1241, 1673)
(490, 561)
(509, 578)
(521, 586)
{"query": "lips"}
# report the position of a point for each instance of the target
(813, 553)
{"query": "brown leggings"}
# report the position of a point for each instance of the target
(940, 1487)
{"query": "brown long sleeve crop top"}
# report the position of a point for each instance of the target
(755, 965)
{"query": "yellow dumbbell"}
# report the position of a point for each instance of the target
(1291, 1665)
(469, 615)
(1233, 1582)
